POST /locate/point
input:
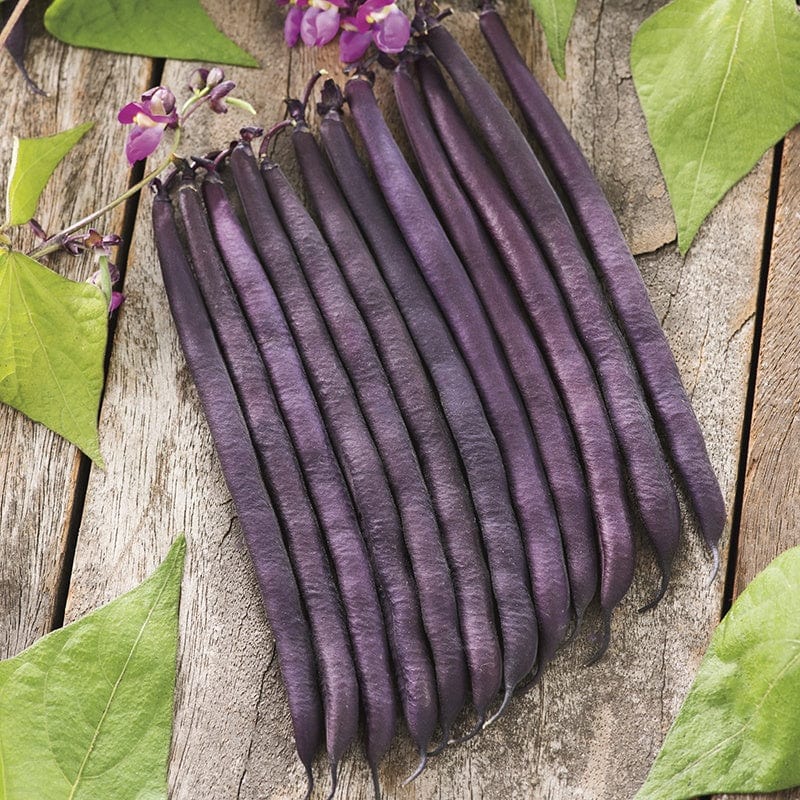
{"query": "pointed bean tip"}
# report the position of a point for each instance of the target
(423, 762)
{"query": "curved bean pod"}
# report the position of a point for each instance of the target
(278, 462)
(622, 280)
(647, 468)
(460, 402)
(544, 407)
(457, 298)
(551, 322)
(361, 464)
(426, 425)
(318, 460)
(240, 467)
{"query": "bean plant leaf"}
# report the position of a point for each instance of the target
(555, 17)
(738, 728)
(52, 345)
(86, 712)
(718, 82)
(159, 28)
(32, 163)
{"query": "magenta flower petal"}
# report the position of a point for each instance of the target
(353, 45)
(391, 34)
(143, 141)
(308, 26)
(319, 27)
(291, 26)
(128, 113)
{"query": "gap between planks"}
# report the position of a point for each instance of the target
(84, 469)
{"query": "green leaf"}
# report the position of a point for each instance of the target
(555, 17)
(32, 163)
(717, 80)
(738, 728)
(52, 345)
(158, 28)
(86, 712)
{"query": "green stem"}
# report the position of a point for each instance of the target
(55, 241)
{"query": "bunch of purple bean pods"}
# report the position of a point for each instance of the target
(442, 413)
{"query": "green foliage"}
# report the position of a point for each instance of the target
(718, 82)
(555, 17)
(32, 164)
(52, 344)
(738, 728)
(158, 28)
(86, 712)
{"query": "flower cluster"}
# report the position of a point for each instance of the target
(156, 110)
(150, 117)
(316, 22)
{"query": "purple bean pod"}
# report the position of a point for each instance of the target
(450, 284)
(277, 457)
(420, 528)
(556, 334)
(318, 459)
(544, 407)
(240, 467)
(647, 469)
(422, 413)
(460, 402)
(622, 280)
(358, 457)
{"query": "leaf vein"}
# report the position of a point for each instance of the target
(107, 708)
(717, 104)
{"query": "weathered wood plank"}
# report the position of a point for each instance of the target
(163, 479)
(38, 470)
(770, 511)
(770, 520)
(582, 733)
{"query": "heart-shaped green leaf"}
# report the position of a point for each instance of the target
(738, 728)
(555, 17)
(718, 82)
(158, 28)
(86, 712)
(32, 163)
(52, 344)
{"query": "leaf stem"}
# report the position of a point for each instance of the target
(55, 241)
(12, 21)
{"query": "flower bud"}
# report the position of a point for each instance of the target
(215, 77)
(198, 79)
(162, 101)
(216, 99)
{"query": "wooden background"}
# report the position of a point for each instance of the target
(73, 537)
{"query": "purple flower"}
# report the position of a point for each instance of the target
(319, 25)
(150, 118)
(376, 21)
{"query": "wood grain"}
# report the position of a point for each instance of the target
(163, 479)
(771, 504)
(37, 468)
(770, 520)
(582, 733)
